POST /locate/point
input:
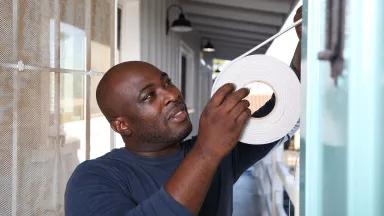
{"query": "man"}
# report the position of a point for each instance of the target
(157, 173)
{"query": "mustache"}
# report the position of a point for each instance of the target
(176, 107)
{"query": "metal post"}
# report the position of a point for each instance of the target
(88, 80)
(56, 100)
(14, 109)
(113, 57)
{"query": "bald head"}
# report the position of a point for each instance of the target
(113, 86)
(144, 106)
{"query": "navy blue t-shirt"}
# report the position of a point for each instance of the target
(123, 183)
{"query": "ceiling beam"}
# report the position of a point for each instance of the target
(238, 15)
(240, 31)
(230, 38)
(230, 53)
(230, 24)
(227, 54)
(218, 43)
(228, 41)
(242, 35)
(282, 7)
(234, 48)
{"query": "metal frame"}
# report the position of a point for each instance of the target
(15, 52)
(87, 80)
(114, 7)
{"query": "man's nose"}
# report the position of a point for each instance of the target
(170, 95)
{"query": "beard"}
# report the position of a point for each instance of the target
(154, 137)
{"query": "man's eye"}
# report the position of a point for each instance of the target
(168, 82)
(148, 96)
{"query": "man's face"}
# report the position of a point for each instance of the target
(155, 109)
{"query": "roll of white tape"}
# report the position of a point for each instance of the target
(285, 85)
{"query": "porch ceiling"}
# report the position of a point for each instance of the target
(235, 26)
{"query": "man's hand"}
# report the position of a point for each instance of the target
(220, 126)
(298, 16)
(296, 60)
(222, 121)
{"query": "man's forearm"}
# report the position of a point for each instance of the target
(220, 126)
(192, 179)
(296, 61)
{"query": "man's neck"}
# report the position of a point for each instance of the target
(169, 150)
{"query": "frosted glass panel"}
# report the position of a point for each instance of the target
(325, 125)
(342, 127)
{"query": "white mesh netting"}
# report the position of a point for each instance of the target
(43, 98)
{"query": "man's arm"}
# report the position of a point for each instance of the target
(220, 127)
(296, 60)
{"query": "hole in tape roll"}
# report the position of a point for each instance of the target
(261, 98)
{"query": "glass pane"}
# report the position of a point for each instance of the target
(72, 105)
(6, 31)
(100, 35)
(366, 84)
(100, 129)
(35, 31)
(342, 142)
(72, 35)
(314, 79)
(101, 18)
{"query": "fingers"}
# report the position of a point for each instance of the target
(220, 95)
(244, 116)
(239, 108)
(241, 111)
(298, 14)
(230, 101)
(233, 99)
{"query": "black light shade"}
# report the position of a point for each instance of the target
(181, 24)
(208, 47)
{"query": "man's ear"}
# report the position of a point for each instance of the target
(121, 126)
